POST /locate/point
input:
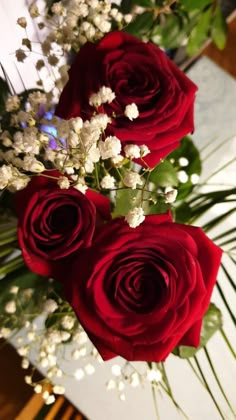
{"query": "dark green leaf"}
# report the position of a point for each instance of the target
(199, 33)
(219, 29)
(125, 201)
(126, 6)
(188, 150)
(212, 322)
(159, 208)
(164, 175)
(144, 3)
(195, 5)
(141, 24)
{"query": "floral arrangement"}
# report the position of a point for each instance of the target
(99, 196)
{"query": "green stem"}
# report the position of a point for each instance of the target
(226, 303)
(169, 391)
(8, 240)
(219, 170)
(228, 343)
(208, 388)
(218, 381)
(11, 265)
(154, 397)
(6, 251)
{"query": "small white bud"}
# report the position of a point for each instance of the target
(10, 307)
(135, 217)
(131, 111)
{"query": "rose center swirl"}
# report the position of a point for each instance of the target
(138, 286)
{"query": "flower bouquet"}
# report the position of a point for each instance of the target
(101, 250)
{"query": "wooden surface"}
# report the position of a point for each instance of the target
(226, 58)
(14, 392)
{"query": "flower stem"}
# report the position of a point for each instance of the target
(208, 388)
(218, 381)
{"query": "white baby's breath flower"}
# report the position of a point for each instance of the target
(58, 9)
(12, 103)
(154, 375)
(131, 111)
(104, 95)
(14, 290)
(108, 182)
(59, 389)
(170, 195)
(132, 151)
(101, 121)
(118, 161)
(79, 374)
(144, 150)
(81, 186)
(182, 177)
(63, 182)
(25, 363)
(194, 178)
(110, 148)
(5, 332)
(132, 179)
(50, 400)
(50, 306)
(30, 163)
(6, 174)
(67, 322)
(89, 134)
(36, 98)
(76, 124)
(10, 307)
(19, 182)
(135, 217)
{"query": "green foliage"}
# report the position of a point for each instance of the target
(125, 201)
(164, 175)
(199, 33)
(190, 5)
(188, 150)
(141, 25)
(212, 322)
(29, 298)
(191, 21)
(219, 29)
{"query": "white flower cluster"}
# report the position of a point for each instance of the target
(72, 147)
(71, 26)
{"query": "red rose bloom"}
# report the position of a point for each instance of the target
(140, 292)
(54, 223)
(139, 73)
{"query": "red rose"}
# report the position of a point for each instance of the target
(144, 290)
(54, 223)
(139, 73)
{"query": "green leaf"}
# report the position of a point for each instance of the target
(126, 6)
(164, 175)
(144, 3)
(219, 29)
(195, 4)
(188, 150)
(212, 322)
(141, 24)
(199, 33)
(125, 201)
(159, 208)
